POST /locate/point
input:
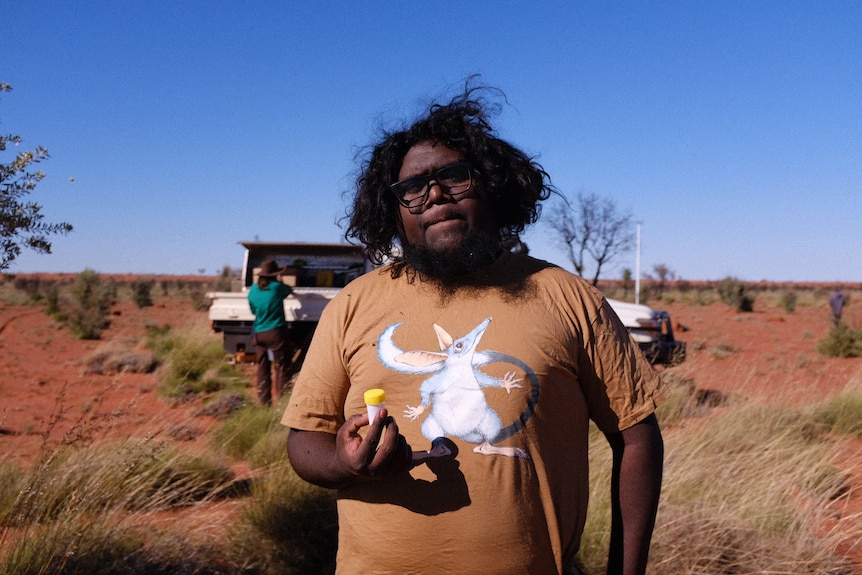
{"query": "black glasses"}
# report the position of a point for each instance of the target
(454, 179)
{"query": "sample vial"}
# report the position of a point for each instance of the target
(375, 399)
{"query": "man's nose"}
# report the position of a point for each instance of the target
(437, 194)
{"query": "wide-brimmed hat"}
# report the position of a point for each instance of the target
(270, 269)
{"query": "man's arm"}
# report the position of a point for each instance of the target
(638, 455)
(337, 460)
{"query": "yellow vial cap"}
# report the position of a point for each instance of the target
(375, 397)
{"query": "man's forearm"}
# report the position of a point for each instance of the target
(636, 486)
(312, 456)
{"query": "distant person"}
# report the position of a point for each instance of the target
(266, 300)
(836, 302)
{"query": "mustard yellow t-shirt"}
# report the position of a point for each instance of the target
(510, 374)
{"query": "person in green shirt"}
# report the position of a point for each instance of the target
(271, 343)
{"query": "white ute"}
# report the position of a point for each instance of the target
(652, 331)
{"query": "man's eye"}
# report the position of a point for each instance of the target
(414, 186)
(453, 174)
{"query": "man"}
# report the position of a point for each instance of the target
(836, 303)
(493, 363)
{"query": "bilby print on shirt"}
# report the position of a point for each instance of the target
(453, 398)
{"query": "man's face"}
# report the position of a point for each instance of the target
(442, 223)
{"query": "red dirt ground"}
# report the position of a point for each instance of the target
(45, 393)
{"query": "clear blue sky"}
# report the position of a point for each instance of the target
(732, 131)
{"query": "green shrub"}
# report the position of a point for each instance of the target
(735, 294)
(30, 286)
(788, 301)
(160, 340)
(52, 303)
(198, 295)
(841, 341)
(91, 301)
(141, 293)
(192, 363)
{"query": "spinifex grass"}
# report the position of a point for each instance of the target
(82, 510)
(744, 492)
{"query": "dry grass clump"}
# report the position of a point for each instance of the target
(841, 414)
(192, 363)
(119, 357)
(687, 400)
(11, 483)
(745, 491)
(85, 510)
(143, 506)
(253, 434)
(132, 475)
(723, 546)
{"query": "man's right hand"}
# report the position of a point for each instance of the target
(338, 460)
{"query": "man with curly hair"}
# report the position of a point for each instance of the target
(493, 364)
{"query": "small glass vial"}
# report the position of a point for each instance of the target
(375, 399)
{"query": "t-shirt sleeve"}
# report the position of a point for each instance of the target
(317, 400)
(620, 385)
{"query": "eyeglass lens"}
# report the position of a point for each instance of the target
(454, 179)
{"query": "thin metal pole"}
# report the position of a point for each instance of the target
(638, 268)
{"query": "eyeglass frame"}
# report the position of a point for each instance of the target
(427, 185)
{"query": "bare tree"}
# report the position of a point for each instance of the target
(592, 229)
(21, 223)
(663, 274)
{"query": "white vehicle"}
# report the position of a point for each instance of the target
(652, 331)
(317, 272)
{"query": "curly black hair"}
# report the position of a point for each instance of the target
(516, 182)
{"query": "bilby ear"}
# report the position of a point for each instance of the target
(420, 358)
(443, 338)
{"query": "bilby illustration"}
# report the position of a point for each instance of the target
(454, 391)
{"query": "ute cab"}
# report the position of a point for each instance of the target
(652, 331)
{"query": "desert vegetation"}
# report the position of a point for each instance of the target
(750, 487)
(747, 488)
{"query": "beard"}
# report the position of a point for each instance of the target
(456, 268)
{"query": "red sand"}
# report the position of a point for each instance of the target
(46, 395)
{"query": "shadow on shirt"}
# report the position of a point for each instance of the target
(448, 492)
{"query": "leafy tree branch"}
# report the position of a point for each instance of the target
(22, 223)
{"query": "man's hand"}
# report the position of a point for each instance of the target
(338, 460)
